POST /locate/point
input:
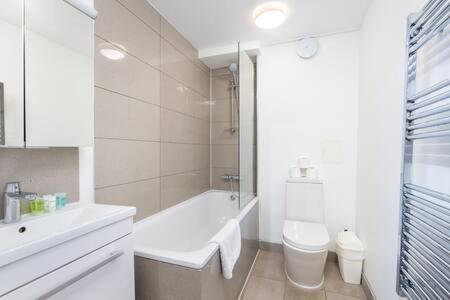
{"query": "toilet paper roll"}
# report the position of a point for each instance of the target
(294, 172)
(303, 162)
(312, 172)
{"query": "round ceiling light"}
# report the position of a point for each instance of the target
(112, 54)
(269, 15)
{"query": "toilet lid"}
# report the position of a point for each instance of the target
(306, 235)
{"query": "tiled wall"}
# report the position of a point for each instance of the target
(224, 148)
(151, 111)
(42, 171)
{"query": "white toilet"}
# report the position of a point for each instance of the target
(305, 237)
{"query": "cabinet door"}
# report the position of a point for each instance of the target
(105, 274)
(59, 75)
(11, 74)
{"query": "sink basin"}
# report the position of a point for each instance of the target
(36, 233)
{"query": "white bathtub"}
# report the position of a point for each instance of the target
(180, 235)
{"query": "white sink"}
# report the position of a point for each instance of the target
(37, 233)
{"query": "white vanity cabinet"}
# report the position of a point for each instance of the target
(78, 253)
(48, 98)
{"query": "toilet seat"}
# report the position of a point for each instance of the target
(306, 235)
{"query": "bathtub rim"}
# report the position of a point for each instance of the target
(196, 259)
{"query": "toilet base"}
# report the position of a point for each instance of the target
(304, 287)
(305, 268)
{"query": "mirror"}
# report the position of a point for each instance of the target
(11, 75)
(46, 75)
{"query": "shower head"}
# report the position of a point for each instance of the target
(233, 67)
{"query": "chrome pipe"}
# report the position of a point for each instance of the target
(441, 262)
(428, 192)
(434, 134)
(425, 15)
(427, 236)
(428, 227)
(415, 286)
(428, 124)
(429, 101)
(431, 273)
(432, 22)
(409, 295)
(425, 283)
(430, 112)
(435, 206)
(429, 216)
(435, 87)
(436, 30)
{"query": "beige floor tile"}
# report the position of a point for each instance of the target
(334, 296)
(270, 265)
(335, 284)
(263, 289)
(294, 293)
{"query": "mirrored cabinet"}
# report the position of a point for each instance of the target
(46, 74)
(11, 74)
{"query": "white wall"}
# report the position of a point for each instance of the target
(308, 107)
(379, 139)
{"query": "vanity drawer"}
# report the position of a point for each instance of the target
(106, 273)
(23, 271)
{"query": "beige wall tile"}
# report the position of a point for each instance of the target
(128, 76)
(175, 64)
(199, 106)
(222, 71)
(221, 134)
(117, 116)
(200, 81)
(123, 161)
(180, 128)
(202, 66)
(225, 156)
(176, 158)
(158, 92)
(169, 33)
(221, 110)
(130, 33)
(180, 158)
(174, 95)
(220, 87)
(43, 171)
(175, 127)
(179, 187)
(144, 195)
(144, 11)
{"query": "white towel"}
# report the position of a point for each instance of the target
(229, 241)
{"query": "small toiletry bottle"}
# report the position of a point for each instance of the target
(37, 206)
(46, 199)
(61, 200)
(52, 203)
(25, 203)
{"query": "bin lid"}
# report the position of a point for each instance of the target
(349, 241)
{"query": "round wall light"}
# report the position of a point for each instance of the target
(269, 15)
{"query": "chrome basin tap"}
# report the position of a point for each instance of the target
(12, 201)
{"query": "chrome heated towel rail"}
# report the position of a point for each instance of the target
(424, 256)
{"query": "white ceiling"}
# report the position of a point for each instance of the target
(214, 23)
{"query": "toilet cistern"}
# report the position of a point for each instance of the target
(305, 237)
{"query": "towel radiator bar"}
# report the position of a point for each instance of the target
(424, 252)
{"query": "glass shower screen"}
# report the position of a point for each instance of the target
(247, 136)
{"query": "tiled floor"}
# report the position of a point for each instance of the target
(268, 282)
